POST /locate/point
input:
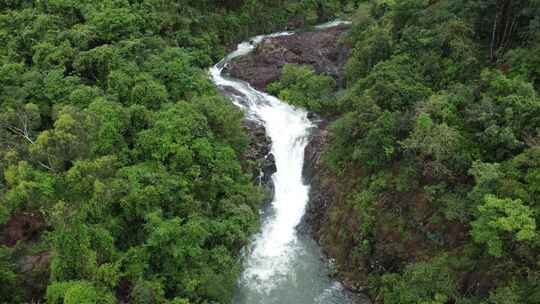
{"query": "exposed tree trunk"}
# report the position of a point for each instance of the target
(494, 37)
(505, 24)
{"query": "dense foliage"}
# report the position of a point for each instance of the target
(302, 87)
(120, 171)
(436, 144)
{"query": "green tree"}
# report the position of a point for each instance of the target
(67, 142)
(8, 276)
(97, 63)
(302, 87)
(501, 221)
(78, 292)
(112, 24)
(373, 46)
(108, 122)
(438, 142)
(28, 188)
(73, 258)
(394, 84)
(431, 282)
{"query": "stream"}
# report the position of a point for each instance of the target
(281, 265)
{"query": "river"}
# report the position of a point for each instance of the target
(281, 265)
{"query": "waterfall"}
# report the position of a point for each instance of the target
(281, 266)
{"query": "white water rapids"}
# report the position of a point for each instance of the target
(281, 266)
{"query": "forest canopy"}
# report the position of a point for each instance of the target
(121, 172)
(122, 177)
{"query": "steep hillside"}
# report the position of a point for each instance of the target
(425, 183)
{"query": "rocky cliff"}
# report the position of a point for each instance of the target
(327, 202)
(315, 174)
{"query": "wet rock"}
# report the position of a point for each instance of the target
(321, 194)
(231, 91)
(322, 49)
(258, 158)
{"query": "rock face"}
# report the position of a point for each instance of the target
(321, 193)
(324, 194)
(321, 49)
(258, 158)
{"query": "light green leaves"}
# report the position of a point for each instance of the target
(501, 221)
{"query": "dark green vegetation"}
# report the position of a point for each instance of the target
(120, 171)
(437, 133)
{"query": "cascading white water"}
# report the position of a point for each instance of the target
(281, 266)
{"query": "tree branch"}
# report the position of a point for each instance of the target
(24, 134)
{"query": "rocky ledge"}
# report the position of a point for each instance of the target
(321, 49)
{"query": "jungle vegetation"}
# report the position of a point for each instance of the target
(121, 177)
(435, 141)
(121, 174)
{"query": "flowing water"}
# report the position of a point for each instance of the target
(282, 266)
